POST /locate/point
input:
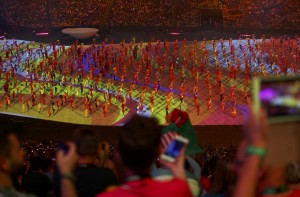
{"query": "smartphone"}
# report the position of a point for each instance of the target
(279, 96)
(63, 147)
(174, 148)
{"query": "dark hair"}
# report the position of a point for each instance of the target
(187, 166)
(212, 164)
(204, 170)
(45, 164)
(86, 141)
(139, 142)
(35, 163)
(223, 180)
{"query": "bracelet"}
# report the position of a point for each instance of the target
(258, 151)
(68, 176)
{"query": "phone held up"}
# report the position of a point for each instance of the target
(174, 148)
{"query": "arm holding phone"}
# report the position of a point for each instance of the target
(174, 157)
(255, 131)
(66, 162)
(278, 97)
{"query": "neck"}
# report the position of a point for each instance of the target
(5, 180)
(130, 173)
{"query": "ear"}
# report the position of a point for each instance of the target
(4, 164)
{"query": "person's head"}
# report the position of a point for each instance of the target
(35, 164)
(223, 179)
(87, 142)
(204, 170)
(11, 154)
(293, 174)
(212, 164)
(46, 165)
(139, 143)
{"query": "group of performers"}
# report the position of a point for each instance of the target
(95, 77)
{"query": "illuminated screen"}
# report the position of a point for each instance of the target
(281, 98)
(174, 148)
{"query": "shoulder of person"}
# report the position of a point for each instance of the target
(13, 192)
(181, 186)
(295, 193)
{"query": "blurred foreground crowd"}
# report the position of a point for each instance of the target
(133, 166)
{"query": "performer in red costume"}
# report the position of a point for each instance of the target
(198, 109)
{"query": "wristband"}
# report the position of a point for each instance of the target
(68, 176)
(258, 151)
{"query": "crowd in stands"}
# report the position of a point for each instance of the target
(65, 13)
(142, 13)
(292, 10)
(72, 13)
(276, 14)
(34, 13)
(232, 13)
(188, 14)
(266, 13)
(182, 13)
(9, 11)
(51, 13)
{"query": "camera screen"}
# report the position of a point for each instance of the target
(174, 148)
(281, 98)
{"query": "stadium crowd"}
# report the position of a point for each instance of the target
(261, 14)
(142, 13)
(70, 13)
(183, 13)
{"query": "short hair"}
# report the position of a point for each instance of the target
(139, 142)
(223, 180)
(86, 141)
(35, 163)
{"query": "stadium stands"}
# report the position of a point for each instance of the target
(278, 14)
